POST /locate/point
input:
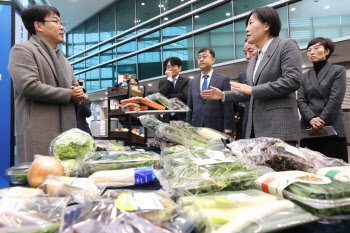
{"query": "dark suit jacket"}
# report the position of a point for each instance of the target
(273, 110)
(83, 111)
(210, 113)
(322, 97)
(180, 91)
(242, 79)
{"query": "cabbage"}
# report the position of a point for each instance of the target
(72, 144)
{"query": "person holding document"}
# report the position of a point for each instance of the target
(319, 100)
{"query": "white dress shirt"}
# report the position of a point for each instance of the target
(208, 79)
(171, 79)
(261, 53)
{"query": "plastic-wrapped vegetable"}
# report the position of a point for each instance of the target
(178, 135)
(71, 167)
(341, 174)
(316, 160)
(126, 211)
(80, 190)
(246, 211)
(72, 144)
(208, 175)
(20, 192)
(113, 160)
(211, 134)
(179, 104)
(124, 177)
(161, 99)
(18, 173)
(31, 214)
(149, 121)
(174, 149)
(130, 107)
(317, 194)
(108, 145)
(270, 152)
(145, 101)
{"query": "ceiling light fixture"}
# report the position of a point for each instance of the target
(326, 7)
(196, 16)
(165, 18)
(228, 14)
(142, 3)
(150, 84)
(293, 9)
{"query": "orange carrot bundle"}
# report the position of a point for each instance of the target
(147, 102)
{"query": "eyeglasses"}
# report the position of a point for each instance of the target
(204, 57)
(58, 23)
(315, 48)
(169, 67)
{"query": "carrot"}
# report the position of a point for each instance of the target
(144, 101)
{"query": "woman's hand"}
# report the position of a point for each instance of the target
(244, 88)
(214, 94)
(317, 123)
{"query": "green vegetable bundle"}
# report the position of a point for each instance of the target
(18, 173)
(72, 144)
(161, 99)
(108, 145)
(149, 121)
(112, 160)
(199, 177)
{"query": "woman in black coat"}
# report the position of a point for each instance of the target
(319, 100)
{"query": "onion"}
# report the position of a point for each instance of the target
(43, 166)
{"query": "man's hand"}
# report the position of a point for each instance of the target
(317, 123)
(77, 94)
(169, 75)
(227, 131)
(214, 94)
(244, 88)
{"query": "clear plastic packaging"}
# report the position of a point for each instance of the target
(18, 173)
(39, 214)
(179, 104)
(208, 175)
(108, 145)
(131, 107)
(149, 121)
(270, 152)
(145, 101)
(161, 99)
(211, 134)
(341, 174)
(71, 167)
(113, 160)
(79, 190)
(126, 211)
(72, 144)
(124, 177)
(246, 211)
(19, 192)
(178, 135)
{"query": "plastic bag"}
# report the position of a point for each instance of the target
(113, 160)
(72, 144)
(179, 104)
(130, 107)
(125, 177)
(149, 121)
(270, 152)
(108, 145)
(80, 190)
(316, 160)
(18, 173)
(20, 192)
(71, 167)
(178, 135)
(161, 99)
(41, 214)
(145, 101)
(126, 211)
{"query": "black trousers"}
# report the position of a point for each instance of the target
(335, 147)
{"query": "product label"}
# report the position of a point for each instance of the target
(76, 182)
(239, 197)
(138, 201)
(338, 173)
(18, 192)
(276, 182)
(144, 175)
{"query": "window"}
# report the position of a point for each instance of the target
(126, 48)
(177, 29)
(220, 40)
(127, 66)
(242, 6)
(69, 44)
(108, 74)
(78, 39)
(108, 55)
(240, 36)
(182, 49)
(148, 40)
(213, 15)
(93, 80)
(125, 15)
(176, 14)
(149, 64)
(147, 9)
(91, 36)
(171, 4)
(107, 23)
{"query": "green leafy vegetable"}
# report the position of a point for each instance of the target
(161, 99)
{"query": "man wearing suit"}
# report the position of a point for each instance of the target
(174, 86)
(250, 51)
(45, 88)
(209, 113)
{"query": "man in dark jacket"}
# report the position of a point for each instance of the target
(83, 111)
(174, 86)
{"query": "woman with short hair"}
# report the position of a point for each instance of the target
(319, 100)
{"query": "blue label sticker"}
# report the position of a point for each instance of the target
(144, 175)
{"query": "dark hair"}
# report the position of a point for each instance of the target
(173, 61)
(36, 13)
(212, 53)
(325, 42)
(267, 15)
